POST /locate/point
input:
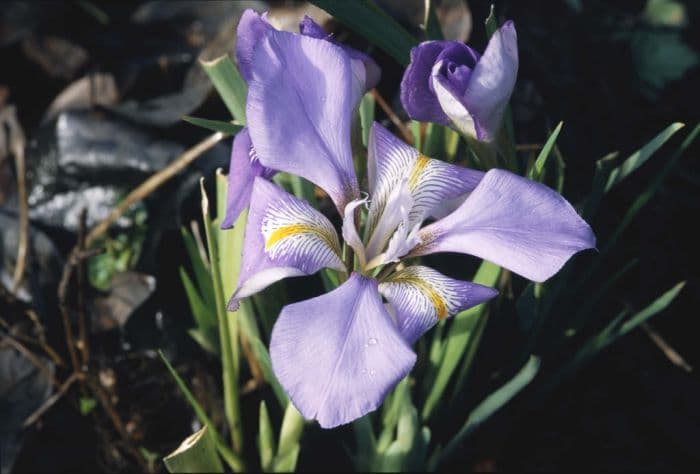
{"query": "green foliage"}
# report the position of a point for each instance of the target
(229, 84)
(196, 453)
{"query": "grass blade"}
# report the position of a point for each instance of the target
(214, 125)
(229, 84)
(537, 170)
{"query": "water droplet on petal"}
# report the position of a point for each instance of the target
(372, 372)
(371, 341)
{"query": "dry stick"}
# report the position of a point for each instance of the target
(83, 344)
(666, 348)
(63, 307)
(31, 419)
(153, 183)
(405, 132)
(30, 356)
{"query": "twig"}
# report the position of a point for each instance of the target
(666, 348)
(41, 336)
(63, 307)
(153, 183)
(529, 147)
(83, 343)
(405, 132)
(31, 419)
(8, 116)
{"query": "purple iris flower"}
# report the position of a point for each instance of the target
(449, 83)
(244, 165)
(339, 354)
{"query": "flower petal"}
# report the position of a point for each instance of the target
(339, 354)
(492, 81)
(366, 72)
(284, 237)
(417, 96)
(452, 104)
(422, 296)
(251, 29)
(514, 222)
(243, 170)
(431, 182)
(299, 110)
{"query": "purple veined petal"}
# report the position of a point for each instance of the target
(299, 110)
(251, 29)
(422, 296)
(452, 104)
(431, 182)
(417, 96)
(308, 27)
(284, 237)
(514, 222)
(492, 81)
(243, 170)
(350, 234)
(396, 211)
(338, 355)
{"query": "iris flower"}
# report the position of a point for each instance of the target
(449, 83)
(338, 355)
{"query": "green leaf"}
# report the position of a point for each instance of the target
(658, 305)
(234, 462)
(367, 108)
(432, 25)
(204, 317)
(200, 267)
(287, 461)
(537, 170)
(368, 20)
(214, 125)
(458, 337)
(491, 23)
(493, 403)
(229, 84)
(603, 168)
(668, 13)
(263, 358)
(661, 56)
(639, 157)
(266, 439)
(197, 453)
(290, 434)
(87, 405)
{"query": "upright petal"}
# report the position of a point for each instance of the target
(431, 182)
(349, 229)
(284, 237)
(514, 222)
(251, 29)
(452, 104)
(492, 81)
(339, 354)
(366, 72)
(417, 95)
(422, 296)
(299, 110)
(243, 170)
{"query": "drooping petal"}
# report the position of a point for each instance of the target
(284, 237)
(243, 170)
(251, 29)
(514, 222)
(417, 95)
(299, 110)
(339, 354)
(422, 296)
(492, 81)
(431, 182)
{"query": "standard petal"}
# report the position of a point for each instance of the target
(514, 222)
(422, 296)
(299, 110)
(339, 354)
(243, 170)
(251, 29)
(284, 237)
(430, 182)
(366, 72)
(492, 81)
(417, 96)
